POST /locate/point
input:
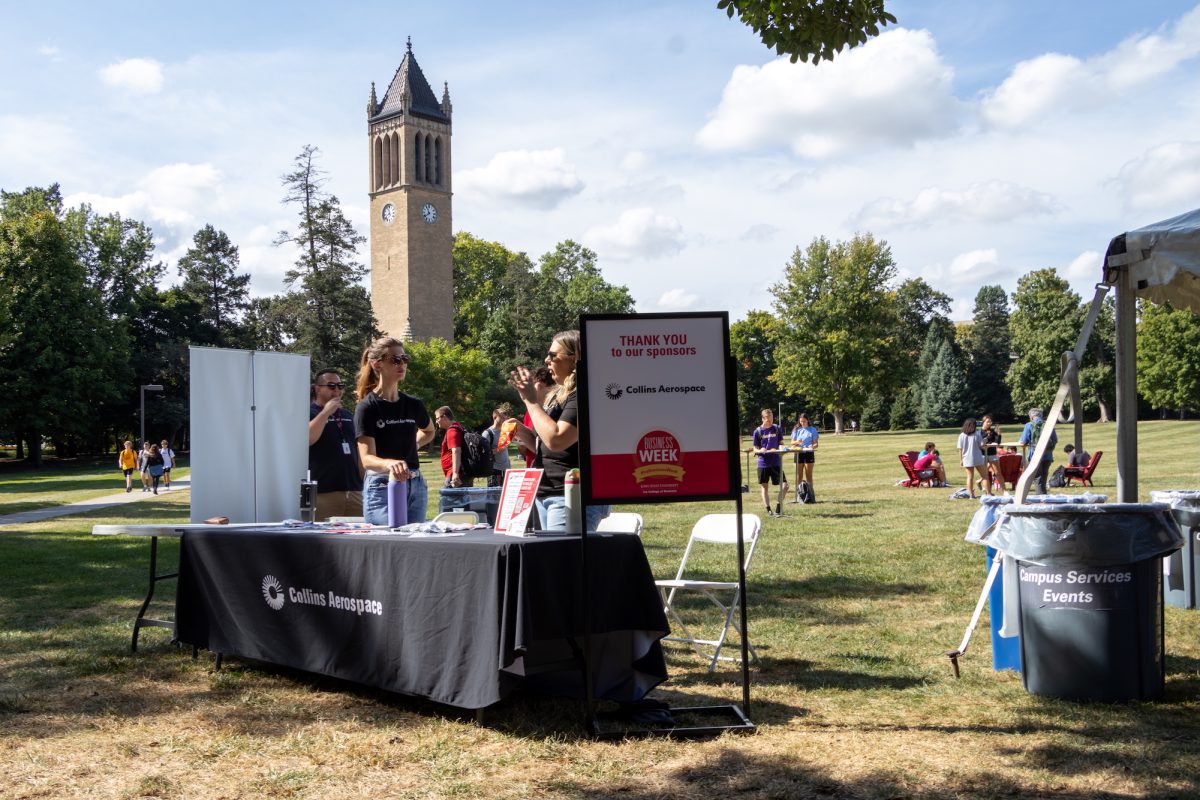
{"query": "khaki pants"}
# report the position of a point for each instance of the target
(338, 504)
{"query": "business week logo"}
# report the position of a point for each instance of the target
(272, 591)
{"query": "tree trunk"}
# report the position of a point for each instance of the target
(1104, 415)
(20, 447)
(35, 448)
(838, 414)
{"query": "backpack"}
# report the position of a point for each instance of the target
(1035, 435)
(1058, 479)
(805, 493)
(477, 456)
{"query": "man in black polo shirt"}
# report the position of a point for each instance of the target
(332, 453)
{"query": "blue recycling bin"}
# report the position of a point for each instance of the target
(1006, 650)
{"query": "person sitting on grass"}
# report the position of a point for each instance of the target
(930, 465)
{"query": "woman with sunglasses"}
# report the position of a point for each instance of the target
(389, 426)
(554, 431)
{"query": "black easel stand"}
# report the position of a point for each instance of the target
(724, 718)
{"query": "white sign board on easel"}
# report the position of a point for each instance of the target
(249, 433)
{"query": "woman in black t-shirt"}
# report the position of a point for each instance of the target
(554, 431)
(389, 426)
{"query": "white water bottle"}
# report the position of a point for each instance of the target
(573, 497)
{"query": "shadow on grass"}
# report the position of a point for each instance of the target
(735, 773)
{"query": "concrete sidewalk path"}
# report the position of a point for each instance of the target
(39, 514)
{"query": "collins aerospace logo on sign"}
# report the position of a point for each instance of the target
(613, 391)
(272, 591)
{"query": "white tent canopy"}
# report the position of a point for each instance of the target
(1163, 260)
(1161, 263)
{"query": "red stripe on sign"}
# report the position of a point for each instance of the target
(694, 474)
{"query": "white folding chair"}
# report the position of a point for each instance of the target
(458, 517)
(715, 529)
(621, 522)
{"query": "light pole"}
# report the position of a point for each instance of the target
(146, 387)
(780, 417)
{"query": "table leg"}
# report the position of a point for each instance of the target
(141, 621)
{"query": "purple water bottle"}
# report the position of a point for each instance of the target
(397, 496)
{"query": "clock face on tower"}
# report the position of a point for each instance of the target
(429, 213)
(389, 213)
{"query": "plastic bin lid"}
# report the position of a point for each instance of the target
(1184, 503)
(1090, 534)
(1177, 498)
(982, 523)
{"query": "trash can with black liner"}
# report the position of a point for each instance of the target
(1006, 644)
(1090, 596)
(1181, 571)
(482, 500)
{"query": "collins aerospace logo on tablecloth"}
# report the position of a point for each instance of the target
(272, 591)
(613, 391)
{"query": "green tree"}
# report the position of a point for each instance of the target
(1168, 370)
(988, 346)
(905, 412)
(328, 314)
(211, 278)
(920, 309)
(118, 256)
(1097, 373)
(945, 399)
(1045, 323)
(538, 304)
(810, 28)
(837, 322)
(59, 351)
(486, 283)
(876, 412)
(753, 344)
(444, 374)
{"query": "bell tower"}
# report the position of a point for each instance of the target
(408, 141)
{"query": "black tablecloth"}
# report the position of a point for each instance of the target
(460, 620)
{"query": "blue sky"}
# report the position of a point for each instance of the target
(979, 140)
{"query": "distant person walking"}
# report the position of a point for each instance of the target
(144, 466)
(127, 462)
(154, 466)
(168, 457)
(1029, 439)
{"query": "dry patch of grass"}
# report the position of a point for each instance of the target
(852, 604)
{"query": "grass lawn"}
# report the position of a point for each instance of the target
(853, 603)
(28, 490)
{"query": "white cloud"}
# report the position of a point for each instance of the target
(635, 161)
(971, 263)
(49, 51)
(137, 75)
(761, 232)
(991, 202)
(174, 194)
(536, 178)
(637, 233)
(895, 89)
(1085, 266)
(676, 300)
(1053, 82)
(1164, 177)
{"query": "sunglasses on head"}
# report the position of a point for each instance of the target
(337, 386)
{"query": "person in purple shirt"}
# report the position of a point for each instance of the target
(767, 439)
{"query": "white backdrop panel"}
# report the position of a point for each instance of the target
(280, 433)
(249, 418)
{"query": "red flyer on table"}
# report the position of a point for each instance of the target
(516, 500)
